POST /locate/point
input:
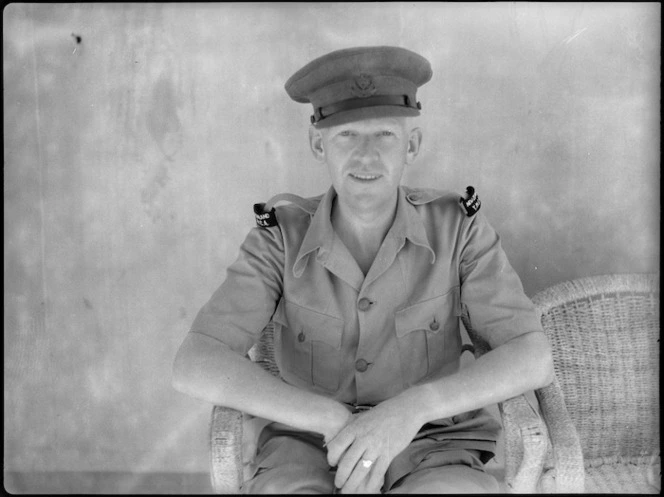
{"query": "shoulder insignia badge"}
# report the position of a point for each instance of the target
(471, 203)
(266, 214)
(264, 219)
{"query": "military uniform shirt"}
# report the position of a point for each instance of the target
(364, 339)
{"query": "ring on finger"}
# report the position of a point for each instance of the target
(366, 463)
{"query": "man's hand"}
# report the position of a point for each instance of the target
(377, 435)
(338, 418)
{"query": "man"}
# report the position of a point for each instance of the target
(365, 285)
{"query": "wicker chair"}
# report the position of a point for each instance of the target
(525, 432)
(604, 331)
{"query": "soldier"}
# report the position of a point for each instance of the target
(365, 285)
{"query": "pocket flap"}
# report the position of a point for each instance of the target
(309, 325)
(423, 315)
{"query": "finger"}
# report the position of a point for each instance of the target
(377, 476)
(338, 445)
(347, 463)
(359, 476)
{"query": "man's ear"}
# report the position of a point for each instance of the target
(316, 143)
(414, 142)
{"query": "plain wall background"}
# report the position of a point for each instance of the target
(133, 158)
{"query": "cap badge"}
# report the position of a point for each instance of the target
(363, 86)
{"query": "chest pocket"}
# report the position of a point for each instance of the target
(428, 337)
(308, 346)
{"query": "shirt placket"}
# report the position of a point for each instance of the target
(375, 298)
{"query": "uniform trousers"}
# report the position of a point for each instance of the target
(294, 462)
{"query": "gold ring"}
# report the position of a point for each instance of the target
(367, 463)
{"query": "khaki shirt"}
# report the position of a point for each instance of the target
(364, 339)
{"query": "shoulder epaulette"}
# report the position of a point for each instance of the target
(471, 203)
(421, 196)
(265, 212)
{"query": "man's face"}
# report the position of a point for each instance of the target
(366, 159)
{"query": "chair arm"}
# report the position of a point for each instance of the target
(567, 474)
(226, 450)
(226, 426)
(525, 444)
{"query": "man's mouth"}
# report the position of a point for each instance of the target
(364, 177)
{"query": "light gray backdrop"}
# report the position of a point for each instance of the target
(133, 158)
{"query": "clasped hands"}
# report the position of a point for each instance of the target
(364, 447)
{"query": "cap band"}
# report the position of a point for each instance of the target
(356, 103)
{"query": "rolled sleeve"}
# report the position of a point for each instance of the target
(243, 305)
(491, 291)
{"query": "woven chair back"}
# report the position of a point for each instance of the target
(604, 332)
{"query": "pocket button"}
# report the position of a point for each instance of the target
(361, 365)
(364, 304)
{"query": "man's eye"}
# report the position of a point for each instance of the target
(345, 133)
(386, 133)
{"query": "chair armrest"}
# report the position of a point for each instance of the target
(525, 444)
(226, 426)
(567, 474)
(524, 431)
(226, 450)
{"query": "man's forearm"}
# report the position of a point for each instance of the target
(522, 364)
(206, 369)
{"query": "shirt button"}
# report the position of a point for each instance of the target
(300, 337)
(434, 326)
(361, 365)
(364, 304)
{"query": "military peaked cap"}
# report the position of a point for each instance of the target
(360, 83)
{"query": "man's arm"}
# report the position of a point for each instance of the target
(522, 364)
(209, 370)
(211, 365)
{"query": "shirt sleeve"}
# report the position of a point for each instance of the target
(243, 305)
(491, 291)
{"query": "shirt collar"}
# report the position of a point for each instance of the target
(408, 224)
(320, 235)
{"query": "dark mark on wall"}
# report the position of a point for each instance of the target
(78, 39)
(87, 303)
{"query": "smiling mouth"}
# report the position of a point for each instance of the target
(364, 177)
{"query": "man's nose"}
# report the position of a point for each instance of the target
(366, 150)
